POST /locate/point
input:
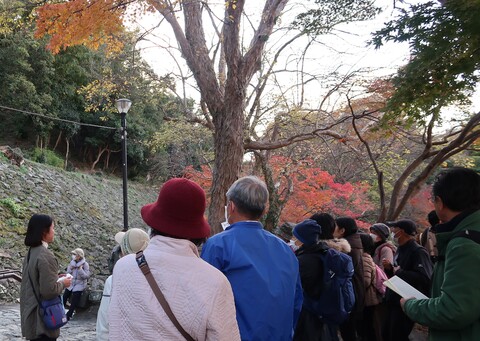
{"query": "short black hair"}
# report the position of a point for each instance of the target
(348, 224)
(459, 189)
(433, 218)
(327, 224)
(38, 226)
(367, 243)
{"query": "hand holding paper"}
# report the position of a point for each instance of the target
(62, 278)
(403, 288)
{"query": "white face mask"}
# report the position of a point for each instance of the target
(225, 224)
(74, 257)
(375, 238)
(293, 246)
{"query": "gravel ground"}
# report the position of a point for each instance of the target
(81, 327)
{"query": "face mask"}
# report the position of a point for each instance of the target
(225, 224)
(74, 257)
(375, 238)
(395, 238)
(293, 246)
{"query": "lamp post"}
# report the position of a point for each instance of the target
(123, 105)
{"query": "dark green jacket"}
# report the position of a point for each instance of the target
(453, 312)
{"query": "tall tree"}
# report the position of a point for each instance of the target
(223, 91)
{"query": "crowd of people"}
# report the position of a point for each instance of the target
(318, 279)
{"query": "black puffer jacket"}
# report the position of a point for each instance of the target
(311, 269)
(415, 268)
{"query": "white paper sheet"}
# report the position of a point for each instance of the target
(403, 288)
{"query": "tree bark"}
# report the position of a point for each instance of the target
(226, 106)
(99, 155)
(67, 141)
(58, 139)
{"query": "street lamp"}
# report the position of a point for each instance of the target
(123, 105)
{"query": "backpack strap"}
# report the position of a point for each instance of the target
(143, 265)
(469, 234)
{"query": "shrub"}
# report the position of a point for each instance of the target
(47, 157)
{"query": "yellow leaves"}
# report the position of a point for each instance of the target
(81, 22)
(97, 96)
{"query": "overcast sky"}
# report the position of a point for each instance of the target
(345, 51)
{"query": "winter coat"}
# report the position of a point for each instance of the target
(341, 245)
(358, 279)
(453, 312)
(265, 278)
(43, 271)
(198, 294)
(102, 315)
(372, 296)
(80, 272)
(413, 265)
(311, 274)
(386, 251)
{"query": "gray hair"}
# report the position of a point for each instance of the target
(250, 196)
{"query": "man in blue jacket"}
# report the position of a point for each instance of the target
(261, 268)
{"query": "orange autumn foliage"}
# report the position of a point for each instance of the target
(81, 22)
(313, 190)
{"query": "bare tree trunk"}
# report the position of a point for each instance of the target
(67, 141)
(99, 155)
(107, 159)
(58, 140)
(228, 143)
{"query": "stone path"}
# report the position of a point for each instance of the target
(80, 328)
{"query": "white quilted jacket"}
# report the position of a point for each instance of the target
(199, 295)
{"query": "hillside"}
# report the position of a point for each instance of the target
(88, 211)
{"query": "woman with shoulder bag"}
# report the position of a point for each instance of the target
(40, 277)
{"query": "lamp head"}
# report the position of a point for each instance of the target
(123, 105)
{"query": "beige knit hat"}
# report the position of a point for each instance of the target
(78, 252)
(132, 241)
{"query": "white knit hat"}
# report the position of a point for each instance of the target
(78, 252)
(132, 241)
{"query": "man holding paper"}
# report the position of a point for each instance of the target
(453, 312)
(412, 265)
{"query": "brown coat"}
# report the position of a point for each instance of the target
(43, 270)
(372, 297)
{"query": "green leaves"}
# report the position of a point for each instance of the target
(445, 47)
(330, 13)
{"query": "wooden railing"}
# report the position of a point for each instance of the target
(10, 273)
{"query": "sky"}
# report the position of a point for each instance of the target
(344, 52)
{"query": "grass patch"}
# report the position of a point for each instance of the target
(15, 208)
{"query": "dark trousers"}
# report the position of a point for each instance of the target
(348, 329)
(366, 329)
(44, 338)
(397, 326)
(76, 295)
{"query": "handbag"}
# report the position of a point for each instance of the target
(52, 311)
(143, 265)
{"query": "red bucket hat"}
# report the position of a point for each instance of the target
(179, 210)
